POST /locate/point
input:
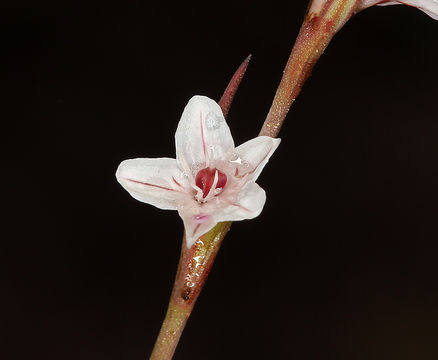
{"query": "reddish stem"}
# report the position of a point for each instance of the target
(230, 91)
(324, 19)
(194, 266)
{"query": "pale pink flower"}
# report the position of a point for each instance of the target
(210, 180)
(430, 7)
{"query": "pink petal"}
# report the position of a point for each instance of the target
(202, 136)
(195, 225)
(255, 154)
(158, 182)
(430, 7)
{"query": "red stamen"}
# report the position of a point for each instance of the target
(205, 179)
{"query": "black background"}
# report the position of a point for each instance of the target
(341, 264)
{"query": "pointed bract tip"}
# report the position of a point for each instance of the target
(230, 91)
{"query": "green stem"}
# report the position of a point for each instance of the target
(194, 266)
(171, 330)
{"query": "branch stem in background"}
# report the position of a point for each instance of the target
(233, 85)
(323, 20)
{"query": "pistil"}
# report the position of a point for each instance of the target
(205, 180)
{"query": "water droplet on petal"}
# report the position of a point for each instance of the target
(212, 122)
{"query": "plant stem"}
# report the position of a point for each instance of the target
(230, 91)
(324, 19)
(194, 263)
(171, 330)
(194, 266)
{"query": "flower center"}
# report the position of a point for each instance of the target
(206, 178)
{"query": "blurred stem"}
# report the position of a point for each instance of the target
(323, 19)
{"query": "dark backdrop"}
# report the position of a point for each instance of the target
(340, 265)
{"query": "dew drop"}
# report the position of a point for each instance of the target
(212, 122)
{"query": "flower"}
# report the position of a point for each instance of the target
(210, 180)
(430, 7)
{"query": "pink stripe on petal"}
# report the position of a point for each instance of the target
(260, 162)
(176, 182)
(196, 229)
(153, 185)
(242, 207)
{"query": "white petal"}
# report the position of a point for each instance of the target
(200, 219)
(430, 7)
(202, 135)
(255, 154)
(248, 204)
(316, 6)
(158, 182)
(195, 228)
